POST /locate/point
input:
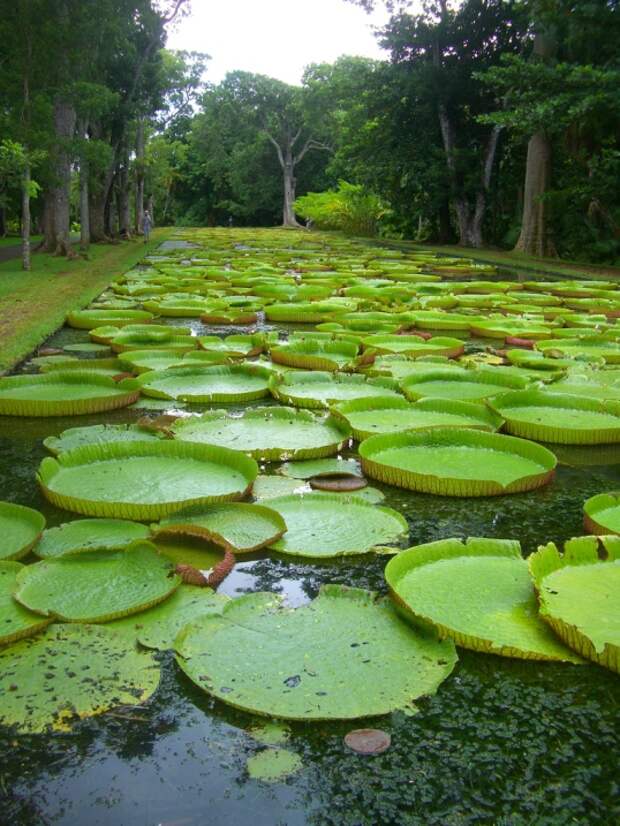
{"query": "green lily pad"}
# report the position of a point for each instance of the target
(472, 385)
(270, 733)
(71, 393)
(267, 433)
(86, 347)
(270, 487)
(98, 434)
(414, 346)
(321, 467)
(315, 355)
(207, 384)
(457, 462)
(16, 621)
(559, 418)
(237, 527)
(278, 662)
(20, 528)
(71, 672)
(369, 417)
(89, 319)
(317, 389)
(478, 593)
(98, 586)
(602, 514)
(85, 535)
(144, 361)
(144, 480)
(579, 595)
(325, 525)
(583, 347)
(157, 627)
(271, 765)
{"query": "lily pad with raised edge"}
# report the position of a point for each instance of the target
(70, 672)
(20, 529)
(345, 655)
(413, 346)
(267, 433)
(559, 418)
(318, 389)
(579, 595)
(85, 535)
(192, 383)
(369, 417)
(144, 361)
(144, 480)
(237, 527)
(602, 514)
(471, 385)
(16, 621)
(69, 393)
(321, 467)
(157, 627)
(477, 593)
(326, 525)
(272, 765)
(315, 355)
(98, 434)
(98, 586)
(457, 462)
(270, 487)
(89, 319)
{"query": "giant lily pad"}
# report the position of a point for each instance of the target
(344, 656)
(98, 586)
(559, 417)
(457, 462)
(477, 593)
(471, 385)
(315, 355)
(71, 672)
(369, 417)
(16, 621)
(64, 394)
(602, 514)
(98, 434)
(157, 627)
(89, 319)
(268, 433)
(85, 535)
(20, 528)
(238, 527)
(316, 389)
(579, 595)
(414, 346)
(325, 525)
(144, 480)
(207, 384)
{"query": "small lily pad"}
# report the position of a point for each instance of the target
(84, 535)
(16, 621)
(272, 765)
(368, 741)
(98, 434)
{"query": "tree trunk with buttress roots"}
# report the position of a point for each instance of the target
(535, 238)
(58, 224)
(288, 211)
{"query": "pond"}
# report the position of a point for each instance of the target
(503, 741)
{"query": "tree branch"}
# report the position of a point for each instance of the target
(278, 148)
(309, 145)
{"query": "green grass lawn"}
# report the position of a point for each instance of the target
(34, 304)
(15, 240)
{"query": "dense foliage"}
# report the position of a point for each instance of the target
(490, 122)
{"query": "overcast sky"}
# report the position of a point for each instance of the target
(276, 37)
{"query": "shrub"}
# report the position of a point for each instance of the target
(350, 208)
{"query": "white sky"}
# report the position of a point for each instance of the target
(276, 37)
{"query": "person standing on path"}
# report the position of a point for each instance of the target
(147, 222)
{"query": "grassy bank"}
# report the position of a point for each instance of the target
(539, 266)
(34, 304)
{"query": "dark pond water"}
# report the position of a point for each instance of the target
(503, 742)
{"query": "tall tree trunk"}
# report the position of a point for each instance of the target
(84, 196)
(288, 211)
(2, 220)
(26, 218)
(140, 150)
(534, 238)
(124, 212)
(58, 227)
